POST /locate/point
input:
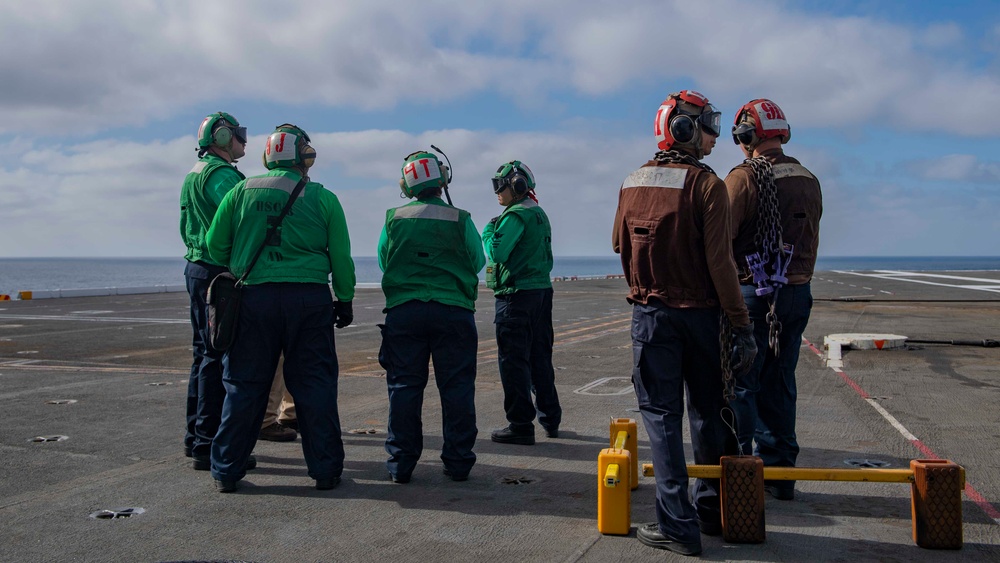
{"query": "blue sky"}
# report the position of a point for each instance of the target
(895, 106)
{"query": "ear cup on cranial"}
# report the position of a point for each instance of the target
(518, 184)
(307, 156)
(682, 128)
(222, 136)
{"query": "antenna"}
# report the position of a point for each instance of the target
(451, 174)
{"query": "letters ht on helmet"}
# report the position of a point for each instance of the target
(288, 147)
(422, 170)
(759, 120)
(219, 129)
(682, 118)
(516, 175)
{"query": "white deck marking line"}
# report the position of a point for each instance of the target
(969, 490)
(892, 420)
(993, 287)
(991, 281)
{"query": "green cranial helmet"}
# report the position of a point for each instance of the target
(219, 129)
(422, 170)
(288, 147)
(516, 175)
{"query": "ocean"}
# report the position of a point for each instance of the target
(37, 274)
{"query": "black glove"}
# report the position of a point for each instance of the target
(343, 312)
(745, 349)
(494, 220)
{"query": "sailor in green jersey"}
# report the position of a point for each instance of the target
(286, 309)
(431, 255)
(221, 141)
(519, 248)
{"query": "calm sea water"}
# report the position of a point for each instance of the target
(36, 274)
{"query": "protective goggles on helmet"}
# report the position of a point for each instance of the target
(240, 133)
(711, 121)
(500, 184)
(510, 172)
(501, 179)
(743, 133)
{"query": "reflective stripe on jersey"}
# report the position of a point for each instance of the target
(790, 169)
(283, 183)
(438, 212)
(656, 177)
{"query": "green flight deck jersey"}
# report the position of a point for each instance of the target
(204, 187)
(519, 248)
(311, 243)
(430, 251)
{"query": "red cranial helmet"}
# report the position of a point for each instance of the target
(681, 119)
(759, 120)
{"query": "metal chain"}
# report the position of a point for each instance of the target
(726, 357)
(678, 157)
(768, 239)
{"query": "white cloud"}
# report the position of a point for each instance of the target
(956, 168)
(84, 67)
(71, 68)
(887, 219)
(119, 198)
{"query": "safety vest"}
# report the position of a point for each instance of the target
(198, 208)
(426, 256)
(530, 263)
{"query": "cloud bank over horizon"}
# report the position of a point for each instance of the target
(101, 101)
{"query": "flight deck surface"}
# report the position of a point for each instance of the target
(110, 374)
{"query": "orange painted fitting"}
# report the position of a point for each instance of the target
(742, 493)
(936, 503)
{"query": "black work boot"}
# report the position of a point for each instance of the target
(509, 436)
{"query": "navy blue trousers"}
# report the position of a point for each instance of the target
(205, 390)
(673, 349)
(294, 319)
(415, 333)
(524, 352)
(765, 397)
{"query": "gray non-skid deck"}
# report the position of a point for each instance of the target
(124, 361)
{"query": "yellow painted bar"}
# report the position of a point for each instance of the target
(611, 476)
(620, 440)
(803, 474)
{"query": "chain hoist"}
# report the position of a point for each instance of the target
(772, 254)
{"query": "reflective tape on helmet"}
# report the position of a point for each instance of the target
(421, 170)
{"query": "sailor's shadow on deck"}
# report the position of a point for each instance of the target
(491, 490)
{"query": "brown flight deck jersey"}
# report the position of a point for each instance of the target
(800, 205)
(672, 230)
